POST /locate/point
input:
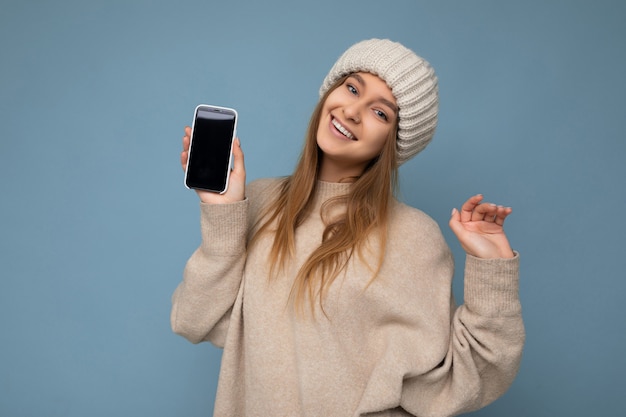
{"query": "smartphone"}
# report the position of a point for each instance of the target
(210, 151)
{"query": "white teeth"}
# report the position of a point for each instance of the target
(342, 129)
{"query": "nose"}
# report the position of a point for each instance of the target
(352, 112)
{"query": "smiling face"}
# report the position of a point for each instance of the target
(356, 120)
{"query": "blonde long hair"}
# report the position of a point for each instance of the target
(367, 211)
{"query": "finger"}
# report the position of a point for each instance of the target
(455, 222)
(183, 159)
(184, 155)
(468, 207)
(186, 138)
(484, 212)
(502, 214)
(239, 164)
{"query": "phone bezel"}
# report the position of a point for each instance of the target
(213, 109)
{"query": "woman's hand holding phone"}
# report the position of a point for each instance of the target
(236, 182)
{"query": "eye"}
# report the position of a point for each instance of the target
(381, 114)
(352, 89)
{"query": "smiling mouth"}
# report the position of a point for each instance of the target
(343, 130)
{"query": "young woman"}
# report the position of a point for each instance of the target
(332, 298)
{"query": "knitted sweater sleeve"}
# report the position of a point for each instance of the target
(203, 301)
(484, 349)
(446, 360)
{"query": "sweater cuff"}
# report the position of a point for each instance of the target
(492, 286)
(224, 227)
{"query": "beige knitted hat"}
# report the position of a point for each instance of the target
(412, 81)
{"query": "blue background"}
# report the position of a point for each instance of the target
(96, 225)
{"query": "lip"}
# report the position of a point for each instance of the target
(336, 131)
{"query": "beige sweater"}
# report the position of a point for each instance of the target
(398, 348)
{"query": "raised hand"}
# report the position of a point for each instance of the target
(479, 228)
(236, 183)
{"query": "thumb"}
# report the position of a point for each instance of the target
(455, 222)
(238, 165)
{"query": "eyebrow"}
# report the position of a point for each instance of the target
(383, 100)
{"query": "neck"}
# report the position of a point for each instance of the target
(336, 171)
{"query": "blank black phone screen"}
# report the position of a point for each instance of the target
(209, 155)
